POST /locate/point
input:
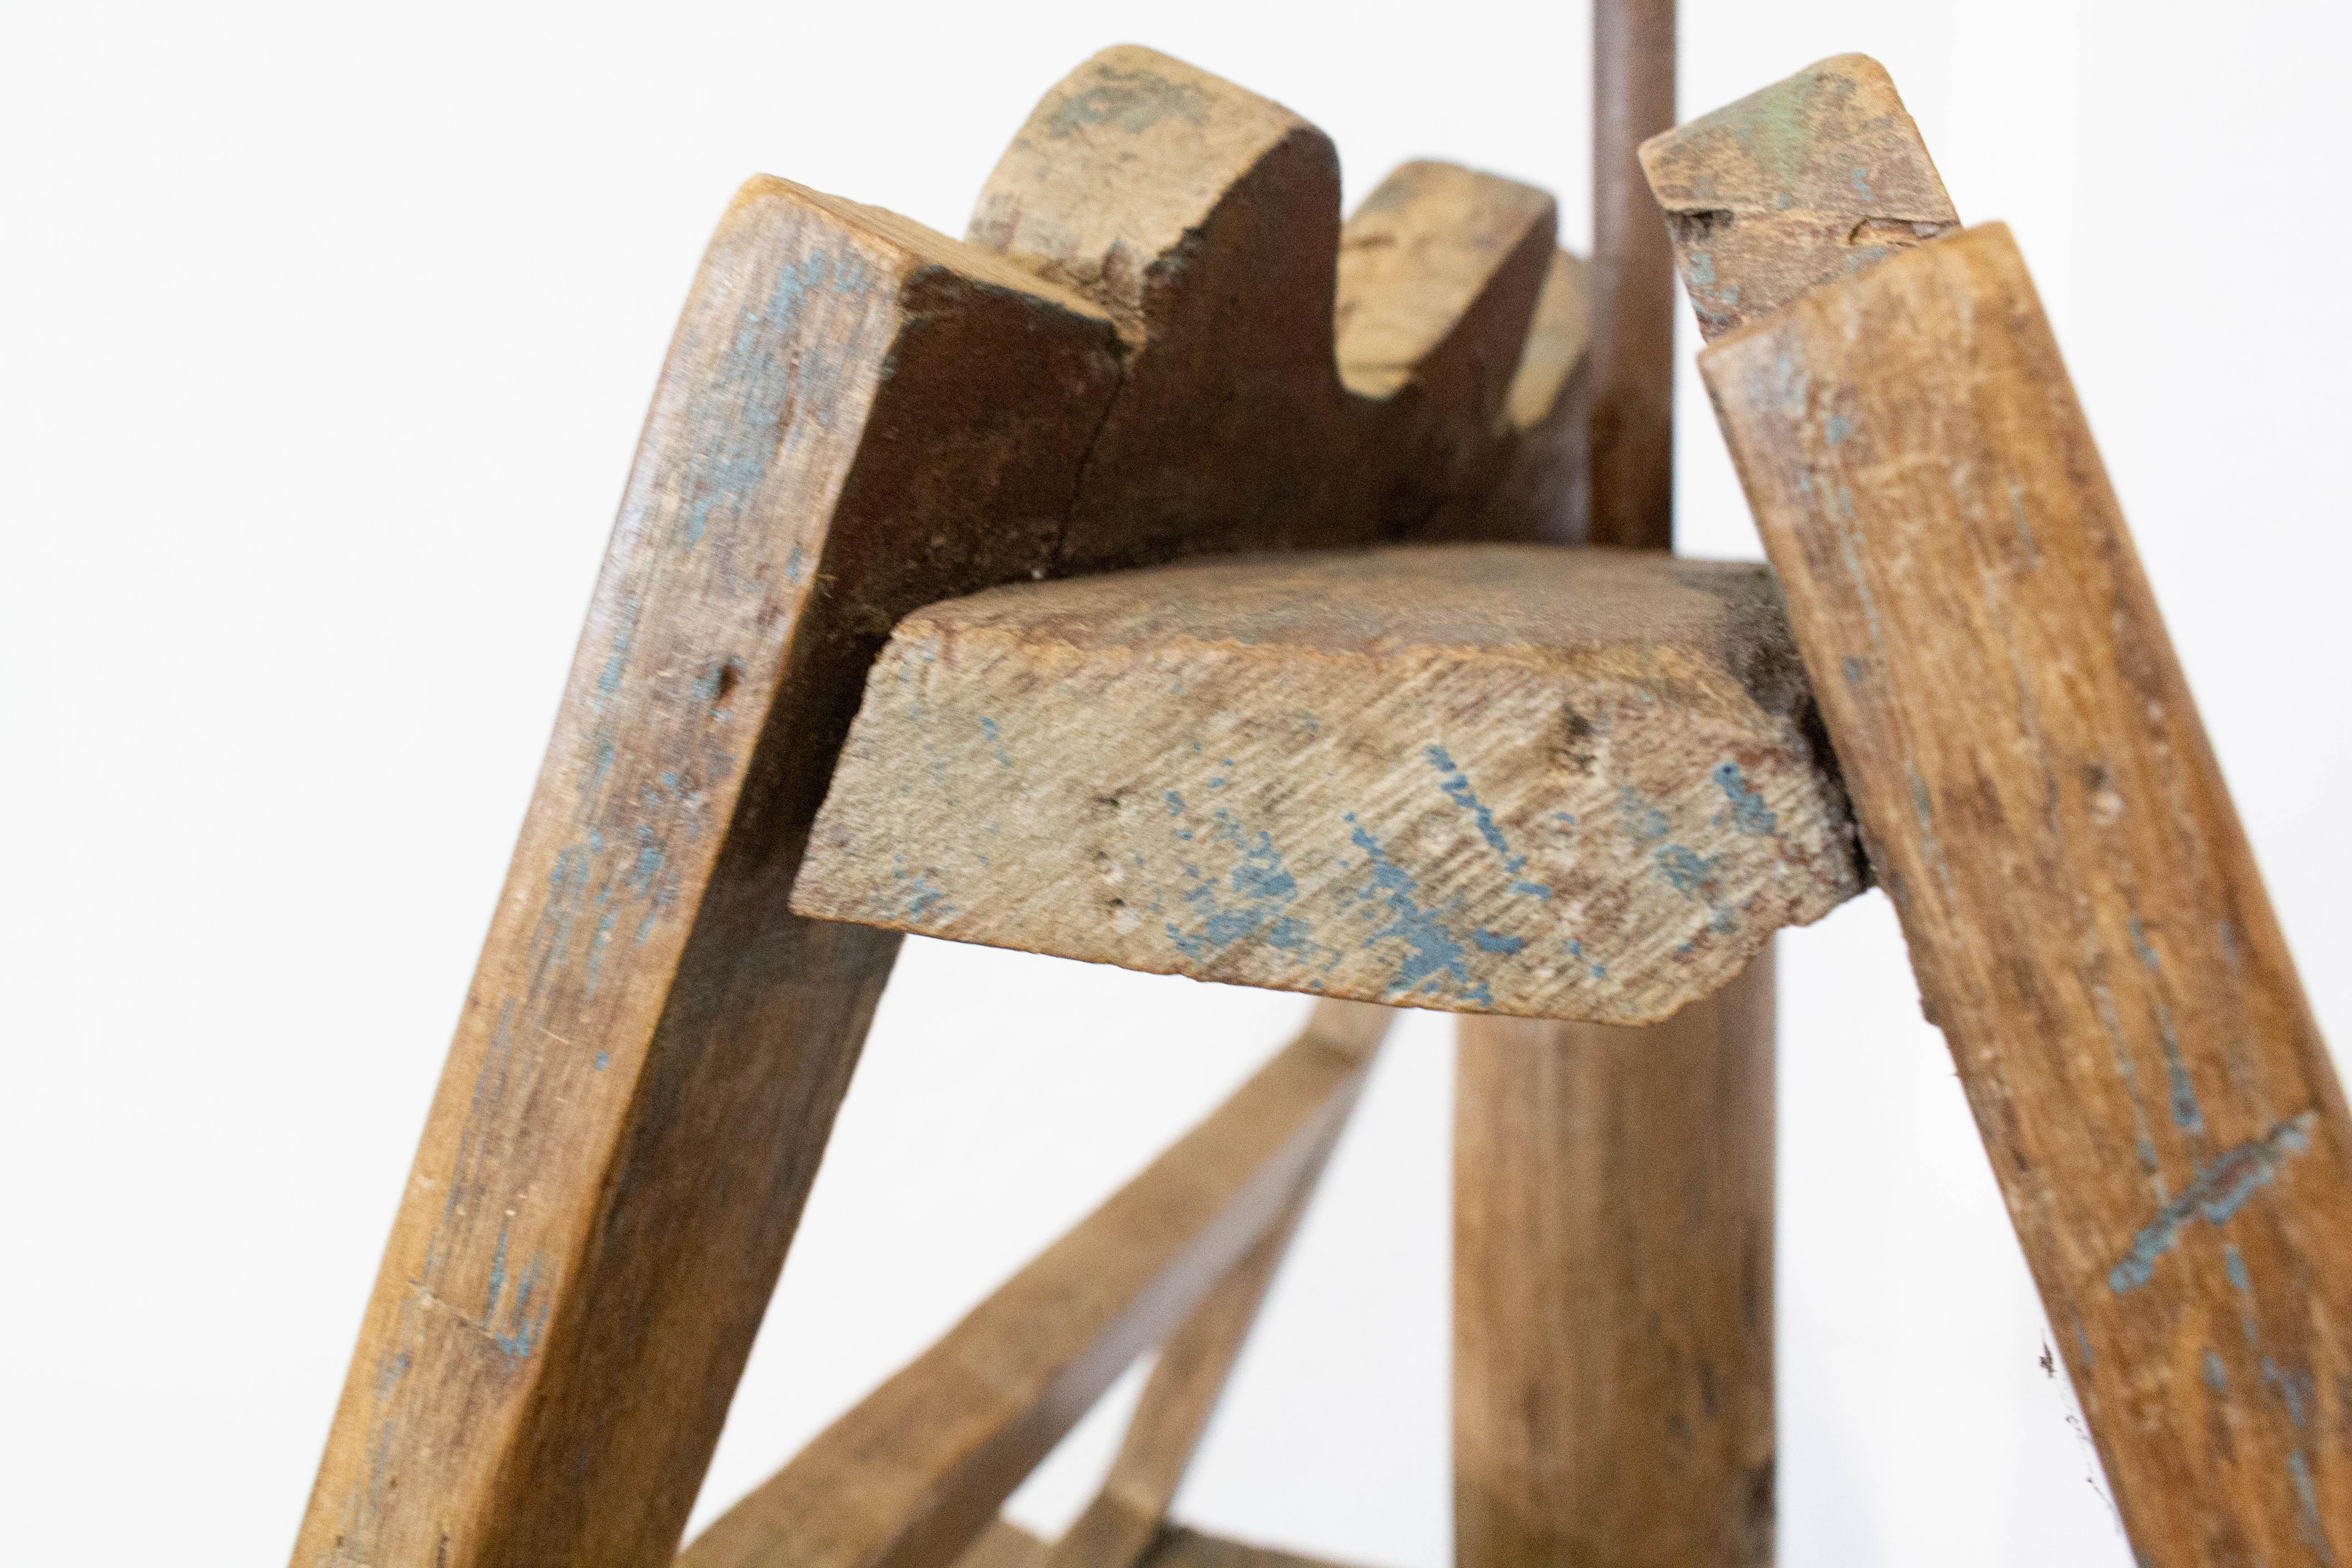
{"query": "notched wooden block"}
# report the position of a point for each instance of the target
(1795, 186)
(1290, 381)
(1484, 778)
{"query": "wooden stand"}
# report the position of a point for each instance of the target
(832, 687)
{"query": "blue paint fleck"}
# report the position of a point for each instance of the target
(2308, 1520)
(2219, 1191)
(988, 731)
(1837, 428)
(1489, 942)
(1175, 802)
(2217, 1377)
(2235, 1268)
(1646, 822)
(604, 1060)
(1749, 812)
(1457, 786)
(1432, 951)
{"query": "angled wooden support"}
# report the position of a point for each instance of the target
(1490, 778)
(913, 1476)
(1010, 1546)
(856, 418)
(653, 1049)
(1129, 1515)
(2040, 799)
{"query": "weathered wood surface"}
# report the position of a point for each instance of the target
(1612, 1273)
(1809, 180)
(1612, 1368)
(652, 1051)
(857, 416)
(1499, 778)
(2083, 912)
(913, 1475)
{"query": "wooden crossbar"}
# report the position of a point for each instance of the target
(912, 1476)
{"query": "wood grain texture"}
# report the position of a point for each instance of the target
(1632, 408)
(1805, 182)
(1612, 1272)
(2083, 912)
(653, 1048)
(913, 1475)
(1206, 221)
(1487, 778)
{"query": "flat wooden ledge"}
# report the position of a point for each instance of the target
(1484, 778)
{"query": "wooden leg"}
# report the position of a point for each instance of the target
(1612, 1288)
(1612, 1187)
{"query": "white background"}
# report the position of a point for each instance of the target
(325, 332)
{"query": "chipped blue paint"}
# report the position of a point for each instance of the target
(617, 662)
(2186, 1112)
(1489, 942)
(1456, 785)
(1686, 871)
(2307, 1522)
(523, 1326)
(1861, 178)
(2295, 1390)
(1836, 428)
(2217, 1377)
(923, 897)
(1175, 802)
(1749, 812)
(2235, 1266)
(1644, 820)
(2219, 1191)
(1260, 884)
(1431, 952)
(1533, 889)
(604, 1060)
(792, 567)
(996, 746)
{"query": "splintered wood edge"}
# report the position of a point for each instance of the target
(1500, 779)
(1804, 182)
